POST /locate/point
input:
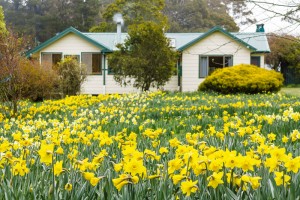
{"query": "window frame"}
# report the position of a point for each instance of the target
(100, 73)
(259, 60)
(47, 53)
(206, 71)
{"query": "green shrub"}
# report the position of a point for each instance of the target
(242, 78)
(71, 76)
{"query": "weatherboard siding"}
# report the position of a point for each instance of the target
(215, 44)
(113, 87)
(92, 85)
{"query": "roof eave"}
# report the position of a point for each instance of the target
(261, 52)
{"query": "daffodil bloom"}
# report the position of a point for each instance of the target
(215, 179)
(46, 153)
(154, 176)
(163, 150)
(59, 150)
(281, 179)
(177, 178)
(174, 165)
(88, 175)
(292, 165)
(20, 168)
(94, 181)
(134, 167)
(254, 181)
(68, 187)
(188, 187)
(58, 169)
(123, 180)
(285, 139)
(118, 167)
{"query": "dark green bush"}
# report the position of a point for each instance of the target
(71, 76)
(243, 78)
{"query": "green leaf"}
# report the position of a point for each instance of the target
(231, 194)
(271, 188)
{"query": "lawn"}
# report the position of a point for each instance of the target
(291, 91)
(152, 146)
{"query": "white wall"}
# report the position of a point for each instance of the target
(71, 44)
(215, 44)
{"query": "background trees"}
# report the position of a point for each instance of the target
(42, 19)
(284, 56)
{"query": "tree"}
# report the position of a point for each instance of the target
(198, 15)
(284, 56)
(291, 11)
(145, 57)
(10, 63)
(3, 30)
(133, 12)
(71, 76)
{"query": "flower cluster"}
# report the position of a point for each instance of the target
(152, 145)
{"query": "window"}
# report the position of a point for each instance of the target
(50, 59)
(208, 64)
(255, 60)
(93, 62)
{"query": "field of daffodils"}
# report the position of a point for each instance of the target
(152, 146)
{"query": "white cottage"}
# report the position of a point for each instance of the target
(201, 54)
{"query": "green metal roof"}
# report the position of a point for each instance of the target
(256, 42)
(62, 34)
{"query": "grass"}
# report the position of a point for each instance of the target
(291, 91)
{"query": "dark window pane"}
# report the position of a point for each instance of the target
(96, 64)
(255, 60)
(56, 58)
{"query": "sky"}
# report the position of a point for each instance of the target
(273, 22)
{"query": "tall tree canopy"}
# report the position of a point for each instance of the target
(198, 15)
(44, 18)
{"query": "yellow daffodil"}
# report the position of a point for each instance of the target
(46, 153)
(215, 179)
(58, 169)
(188, 187)
(281, 179)
(68, 187)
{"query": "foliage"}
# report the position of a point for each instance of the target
(145, 56)
(285, 50)
(242, 78)
(152, 146)
(10, 69)
(3, 30)
(21, 78)
(196, 16)
(37, 82)
(71, 76)
(43, 18)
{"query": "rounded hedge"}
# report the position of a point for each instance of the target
(243, 78)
